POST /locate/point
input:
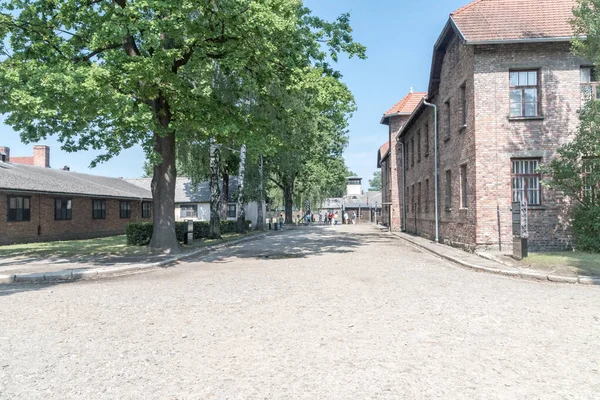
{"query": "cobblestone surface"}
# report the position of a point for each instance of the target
(320, 313)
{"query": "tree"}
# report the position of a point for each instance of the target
(108, 75)
(375, 183)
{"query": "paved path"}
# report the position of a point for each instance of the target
(340, 312)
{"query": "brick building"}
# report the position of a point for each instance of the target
(43, 204)
(507, 89)
(389, 161)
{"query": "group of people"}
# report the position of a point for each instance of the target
(333, 218)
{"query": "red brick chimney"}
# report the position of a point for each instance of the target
(41, 156)
(4, 154)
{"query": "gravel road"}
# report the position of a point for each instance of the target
(342, 312)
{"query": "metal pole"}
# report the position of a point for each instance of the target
(435, 162)
(499, 233)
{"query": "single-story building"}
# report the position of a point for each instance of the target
(194, 202)
(44, 204)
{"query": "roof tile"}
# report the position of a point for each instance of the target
(407, 105)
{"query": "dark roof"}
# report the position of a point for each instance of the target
(382, 153)
(185, 192)
(25, 178)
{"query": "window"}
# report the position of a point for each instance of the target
(426, 195)
(448, 202)
(99, 209)
(413, 198)
(419, 146)
(463, 104)
(63, 209)
(146, 209)
(231, 211)
(188, 211)
(463, 186)
(426, 140)
(412, 150)
(589, 84)
(19, 208)
(408, 197)
(419, 198)
(524, 88)
(526, 181)
(125, 209)
(448, 120)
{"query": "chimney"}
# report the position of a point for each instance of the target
(41, 156)
(4, 154)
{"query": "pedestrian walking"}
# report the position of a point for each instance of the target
(320, 218)
(281, 222)
(346, 218)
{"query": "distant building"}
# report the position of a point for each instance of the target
(366, 205)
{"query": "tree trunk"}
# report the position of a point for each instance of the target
(260, 219)
(241, 217)
(215, 193)
(225, 196)
(163, 185)
(288, 196)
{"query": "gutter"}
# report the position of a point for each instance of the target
(386, 116)
(63, 194)
(525, 40)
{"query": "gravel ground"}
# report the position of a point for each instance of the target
(340, 312)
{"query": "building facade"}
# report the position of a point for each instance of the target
(507, 92)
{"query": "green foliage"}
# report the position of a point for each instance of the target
(375, 183)
(586, 229)
(140, 233)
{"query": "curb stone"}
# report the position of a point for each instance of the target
(76, 274)
(586, 280)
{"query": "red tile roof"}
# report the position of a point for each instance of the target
(506, 20)
(22, 160)
(407, 105)
(384, 149)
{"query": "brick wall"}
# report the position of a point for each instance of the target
(499, 138)
(395, 125)
(81, 226)
(456, 146)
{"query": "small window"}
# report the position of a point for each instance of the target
(463, 104)
(419, 198)
(426, 195)
(419, 146)
(146, 209)
(188, 211)
(463, 186)
(125, 209)
(231, 211)
(426, 131)
(524, 94)
(589, 84)
(407, 198)
(412, 189)
(591, 185)
(448, 202)
(412, 150)
(63, 209)
(99, 209)
(448, 119)
(19, 208)
(526, 181)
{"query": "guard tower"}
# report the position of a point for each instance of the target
(354, 186)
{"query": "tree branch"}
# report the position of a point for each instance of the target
(87, 57)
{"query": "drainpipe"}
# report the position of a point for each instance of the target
(435, 163)
(403, 187)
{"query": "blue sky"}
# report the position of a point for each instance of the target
(399, 36)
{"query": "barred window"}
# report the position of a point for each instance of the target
(426, 140)
(591, 179)
(448, 199)
(526, 181)
(146, 209)
(231, 211)
(188, 211)
(589, 84)
(125, 209)
(99, 209)
(426, 195)
(19, 208)
(463, 186)
(63, 209)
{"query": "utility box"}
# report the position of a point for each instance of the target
(188, 237)
(520, 225)
(520, 248)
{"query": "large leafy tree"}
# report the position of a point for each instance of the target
(375, 183)
(109, 75)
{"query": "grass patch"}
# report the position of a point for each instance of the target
(576, 261)
(100, 247)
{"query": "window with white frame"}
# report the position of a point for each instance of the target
(526, 181)
(188, 211)
(589, 84)
(524, 93)
(231, 211)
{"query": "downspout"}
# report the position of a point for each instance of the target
(403, 187)
(435, 167)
